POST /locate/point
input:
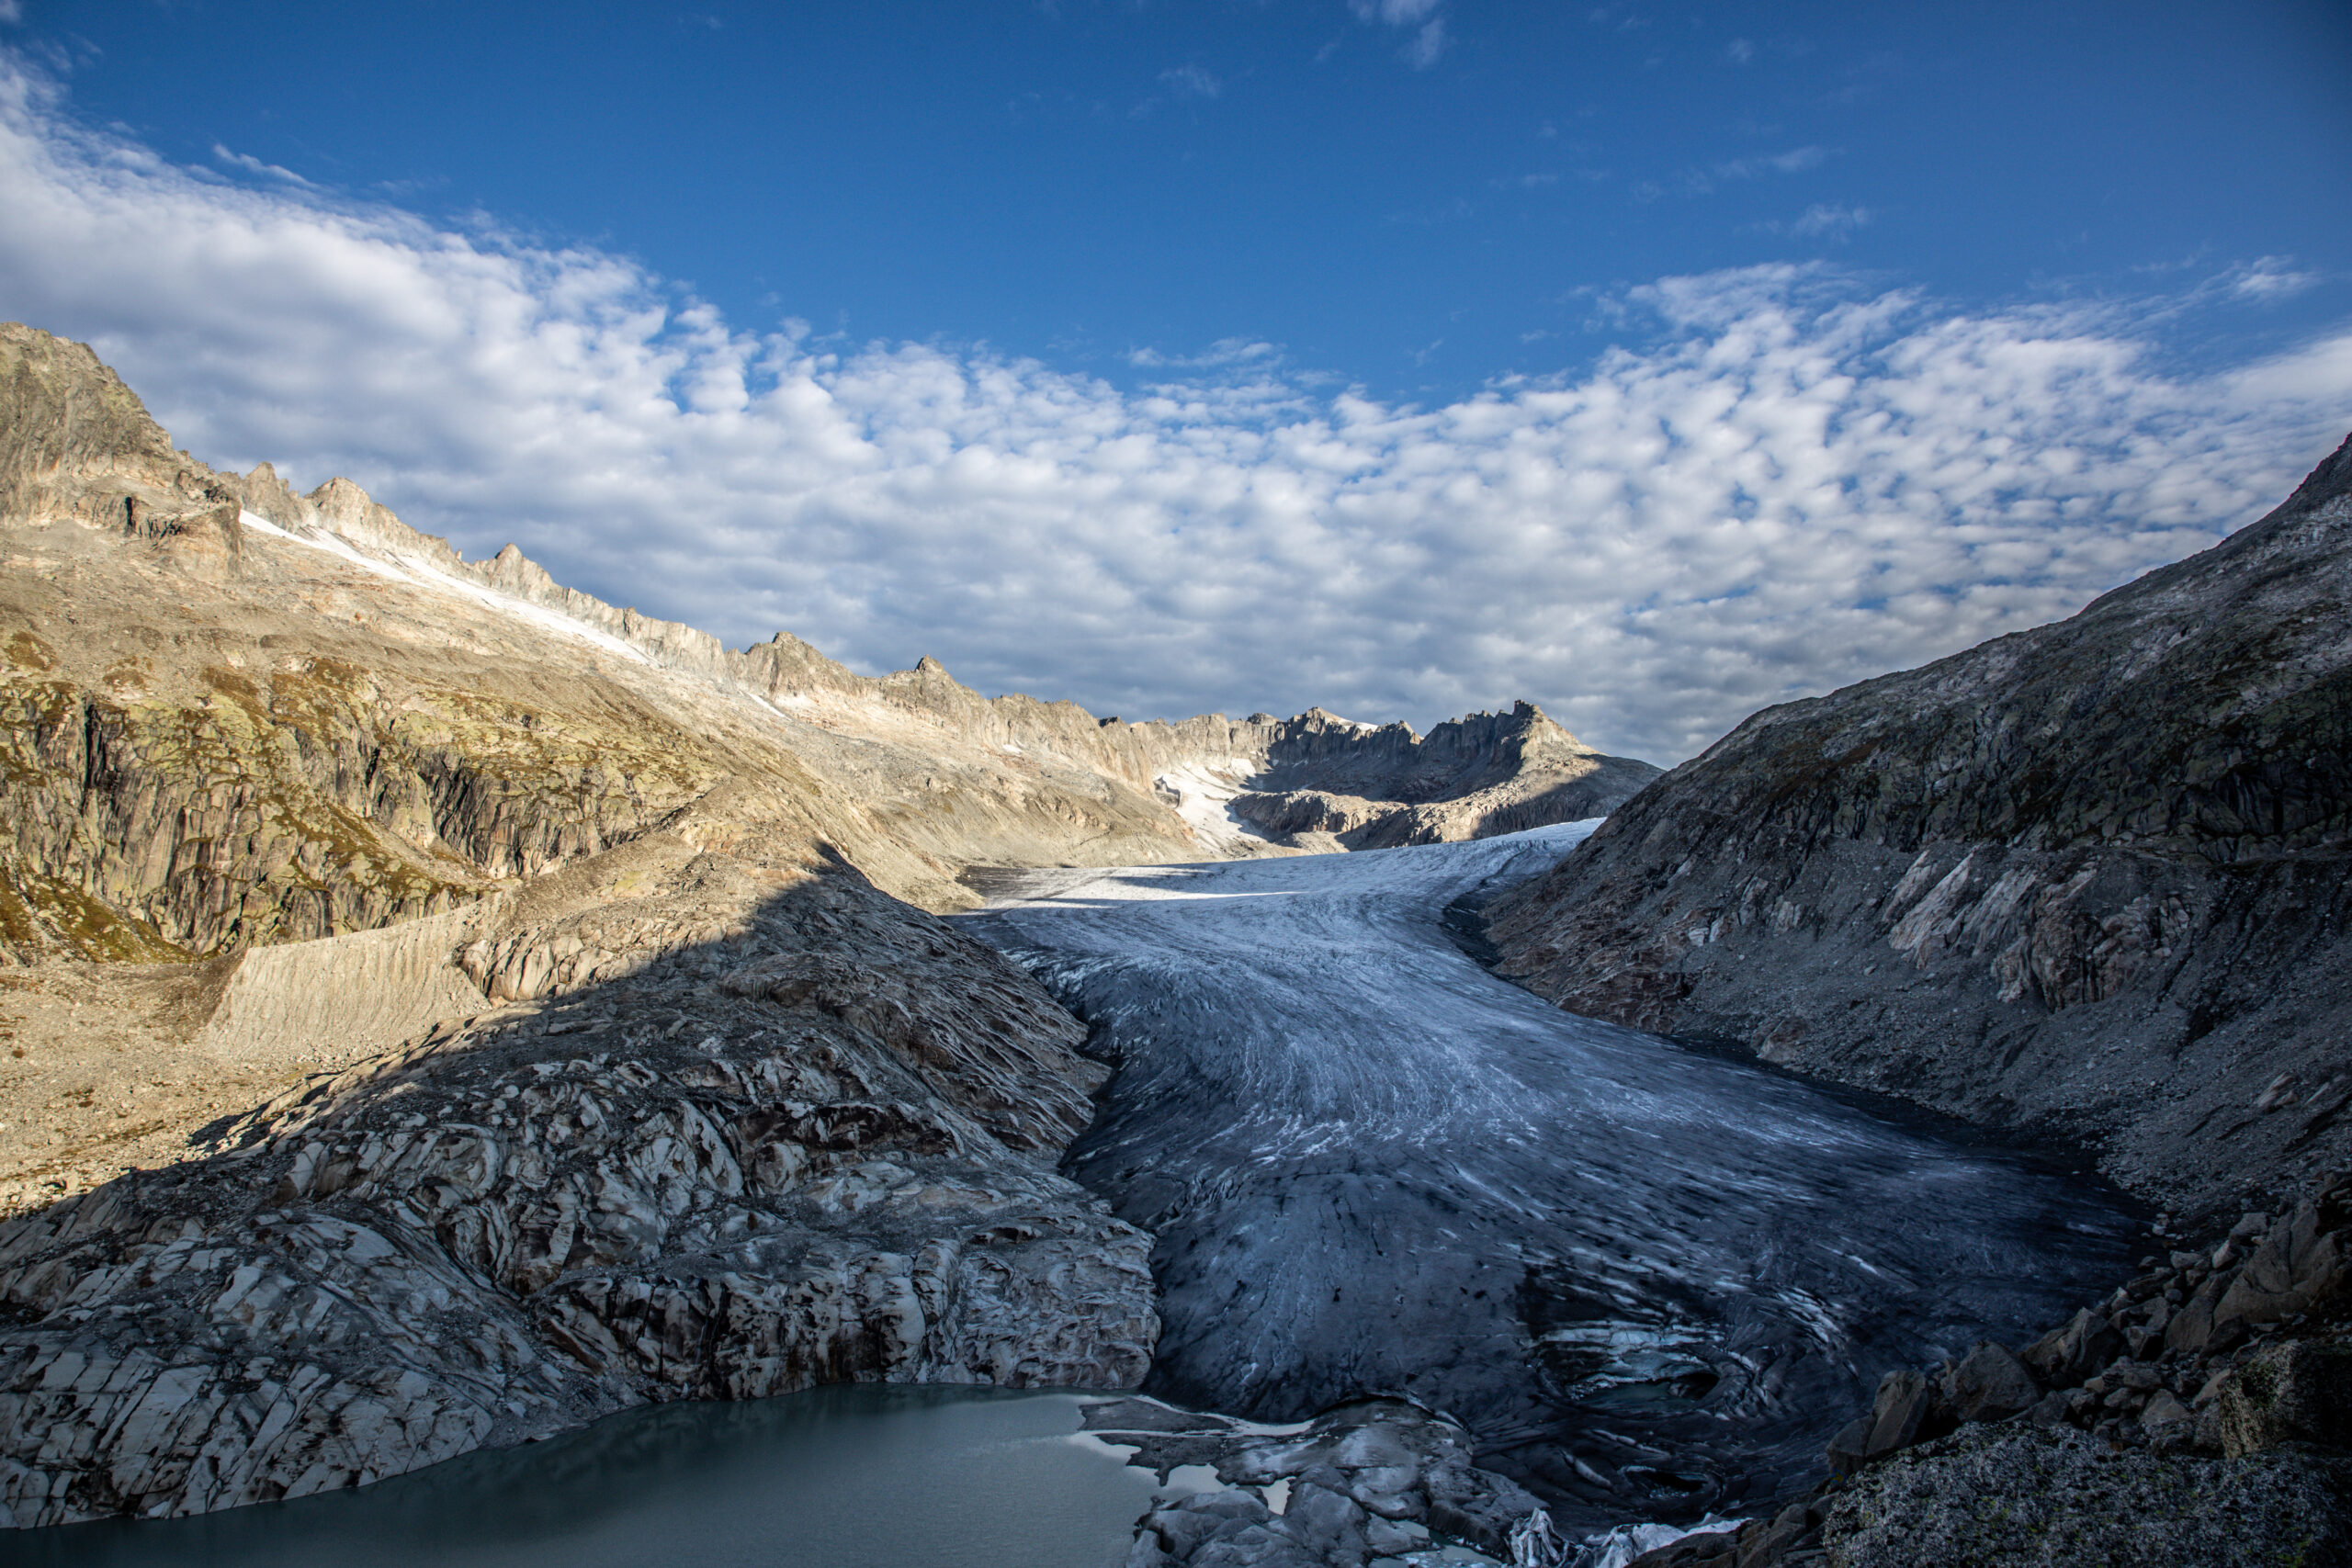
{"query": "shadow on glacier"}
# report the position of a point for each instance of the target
(1652, 1278)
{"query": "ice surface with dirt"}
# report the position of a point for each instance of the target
(1648, 1276)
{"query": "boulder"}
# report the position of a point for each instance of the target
(2298, 1391)
(2068, 1355)
(1990, 1383)
(2300, 1264)
(1905, 1404)
(2168, 1422)
(2192, 1329)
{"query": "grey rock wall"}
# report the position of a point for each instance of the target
(2083, 882)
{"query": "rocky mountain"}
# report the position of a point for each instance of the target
(2087, 881)
(441, 1007)
(235, 717)
(1318, 778)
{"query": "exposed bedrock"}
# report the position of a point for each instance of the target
(2087, 881)
(1472, 778)
(779, 1129)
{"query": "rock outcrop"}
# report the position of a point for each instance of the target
(2086, 881)
(740, 1125)
(1368, 1479)
(2201, 1413)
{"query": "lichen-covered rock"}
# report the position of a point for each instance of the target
(2004, 1495)
(2300, 1391)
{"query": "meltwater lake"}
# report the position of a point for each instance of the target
(857, 1476)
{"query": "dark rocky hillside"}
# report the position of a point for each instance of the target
(2088, 880)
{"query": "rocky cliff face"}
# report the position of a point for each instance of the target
(2088, 880)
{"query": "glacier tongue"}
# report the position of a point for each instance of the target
(1635, 1267)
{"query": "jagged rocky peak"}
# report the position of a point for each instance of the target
(76, 444)
(2087, 878)
(1321, 749)
(1324, 781)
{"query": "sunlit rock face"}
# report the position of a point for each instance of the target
(1648, 1279)
(2086, 880)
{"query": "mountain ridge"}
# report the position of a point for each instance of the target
(235, 717)
(2085, 880)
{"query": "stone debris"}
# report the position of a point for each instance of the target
(2158, 1361)
(1369, 1480)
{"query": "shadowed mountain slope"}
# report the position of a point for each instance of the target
(2088, 879)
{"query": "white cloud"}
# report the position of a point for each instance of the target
(1783, 480)
(1395, 13)
(1190, 81)
(1796, 161)
(1427, 46)
(1226, 351)
(1428, 22)
(1822, 220)
(254, 165)
(2272, 278)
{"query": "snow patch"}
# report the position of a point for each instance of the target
(1203, 792)
(412, 572)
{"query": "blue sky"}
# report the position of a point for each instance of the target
(1404, 356)
(1083, 181)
